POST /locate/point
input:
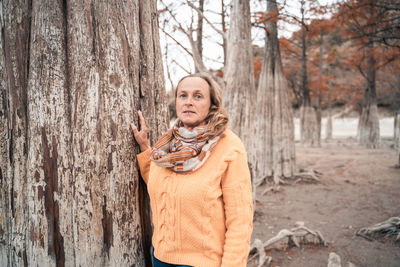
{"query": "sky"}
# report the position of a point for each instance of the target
(179, 62)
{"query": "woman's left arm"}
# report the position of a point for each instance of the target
(238, 205)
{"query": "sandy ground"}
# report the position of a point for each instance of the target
(359, 188)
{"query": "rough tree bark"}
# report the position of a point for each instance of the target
(239, 91)
(275, 137)
(308, 117)
(73, 75)
(397, 134)
(368, 124)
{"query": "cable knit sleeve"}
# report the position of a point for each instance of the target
(144, 164)
(238, 205)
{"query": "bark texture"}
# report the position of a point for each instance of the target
(308, 126)
(275, 137)
(73, 75)
(397, 134)
(239, 91)
(368, 124)
(329, 118)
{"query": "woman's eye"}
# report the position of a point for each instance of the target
(197, 96)
(182, 95)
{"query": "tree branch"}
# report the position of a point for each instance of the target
(205, 18)
(177, 42)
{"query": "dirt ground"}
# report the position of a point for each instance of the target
(359, 188)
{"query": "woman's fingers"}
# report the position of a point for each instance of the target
(141, 136)
(142, 121)
(134, 129)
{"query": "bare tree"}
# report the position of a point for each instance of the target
(275, 137)
(72, 77)
(199, 30)
(171, 22)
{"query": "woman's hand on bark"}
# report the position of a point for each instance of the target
(141, 136)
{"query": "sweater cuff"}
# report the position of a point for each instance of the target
(144, 163)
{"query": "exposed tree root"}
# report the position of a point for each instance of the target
(388, 228)
(312, 176)
(274, 188)
(334, 261)
(263, 260)
(295, 236)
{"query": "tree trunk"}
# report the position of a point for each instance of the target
(239, 89)
(308, 126)
(368, 125)
(397, 134)
(275, 136)
(329, 118)
(74, 76)
(223, 24)
(199, 30)
(308, 117)
(319, 93)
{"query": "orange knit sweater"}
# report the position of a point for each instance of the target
(202, 218)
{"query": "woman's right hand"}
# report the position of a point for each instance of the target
(141, 136)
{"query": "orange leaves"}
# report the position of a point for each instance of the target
(261, 16)
(324, 26)
(257, 66)
(219, 73)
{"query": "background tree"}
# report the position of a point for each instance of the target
(172, 23)
(73, 75)
(367, 22)
(298, 71)
(319, 78)
(239, 91)
(275, 136)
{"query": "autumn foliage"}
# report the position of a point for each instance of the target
(356, 30)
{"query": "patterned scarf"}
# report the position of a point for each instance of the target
(183, 150)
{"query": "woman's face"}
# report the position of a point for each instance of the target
(193, 101)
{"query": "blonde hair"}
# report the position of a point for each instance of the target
(217, 118)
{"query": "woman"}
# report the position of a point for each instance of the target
(198, 181)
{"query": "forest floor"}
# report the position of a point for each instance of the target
(359, 187)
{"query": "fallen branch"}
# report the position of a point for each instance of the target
(295, 237)
(388, 228)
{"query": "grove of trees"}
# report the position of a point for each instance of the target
(74, 73)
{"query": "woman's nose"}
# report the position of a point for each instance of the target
(189, 101)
